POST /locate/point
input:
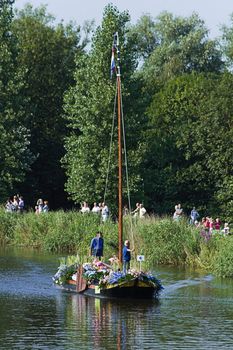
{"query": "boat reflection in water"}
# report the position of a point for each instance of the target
(110, 324)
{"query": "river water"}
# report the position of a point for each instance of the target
(195, 311)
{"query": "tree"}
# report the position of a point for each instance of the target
(15, 157)
(181, 45)
(227, 42)
(189, 154)
(47, 53)
(89, 110)
(143, 37)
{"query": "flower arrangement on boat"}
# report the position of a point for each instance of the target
(64, 273)
(103, 275)
(118, 277)
(95, 271)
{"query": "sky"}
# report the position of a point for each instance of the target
(215, 13)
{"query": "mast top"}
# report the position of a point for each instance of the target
(116, 44)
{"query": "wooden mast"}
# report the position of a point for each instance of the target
(120, 209)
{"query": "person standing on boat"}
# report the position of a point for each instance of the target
(97, 246)
(126, 256)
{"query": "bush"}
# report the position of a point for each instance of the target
(164, 241)
(223, 260)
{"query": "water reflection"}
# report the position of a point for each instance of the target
(110, 324)
(195, 311)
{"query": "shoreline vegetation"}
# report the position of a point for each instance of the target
(161, 240)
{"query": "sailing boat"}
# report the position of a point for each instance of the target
(98, 279)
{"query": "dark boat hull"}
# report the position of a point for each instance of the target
(129, 290)
(123, 293)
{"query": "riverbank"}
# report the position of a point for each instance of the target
(161, 240)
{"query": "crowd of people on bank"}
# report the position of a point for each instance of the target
(15, 204)
(41, 206)
(97, 209)
(207, 224)
(103, 210)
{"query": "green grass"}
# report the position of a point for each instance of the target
(161, 240)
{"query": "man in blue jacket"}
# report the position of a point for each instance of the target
(97, 245)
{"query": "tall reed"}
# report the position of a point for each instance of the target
(160, 240)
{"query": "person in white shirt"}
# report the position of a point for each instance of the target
(226, 229)
(85, 208)
(142, 211)
(136, 211)
(105, 212)
(96, 209)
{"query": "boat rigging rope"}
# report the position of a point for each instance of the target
(126, 171)
(110, 147)
(125, 160)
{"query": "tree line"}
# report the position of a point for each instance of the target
(56, 109)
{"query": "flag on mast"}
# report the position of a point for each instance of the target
(113, 63)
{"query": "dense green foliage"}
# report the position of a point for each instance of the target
(162, 241)
(15, 156)
(191, 137)
(56, 110)
(89, 112)
(47, 53)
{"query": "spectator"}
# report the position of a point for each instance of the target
(142, 211)
(206, 224)
(135, 212)
(21, 205)
(96, 209)
(179, 210)
(125, 210)
(40, 205)
(46, 207)
(194, 215)
(217, 224)
(211, 225)
(15, 203)
(85, 208)
(105, 212)
(226, 229)
(9, 206)
(100, 206)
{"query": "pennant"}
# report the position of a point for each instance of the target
(113, 63)
(114, 47)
